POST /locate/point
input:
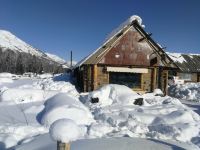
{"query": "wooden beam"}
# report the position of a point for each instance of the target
(142, 39)
(63, 146)
(166, 82)
(95, 76)
(154, 78)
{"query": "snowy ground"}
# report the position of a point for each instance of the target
(29, 106)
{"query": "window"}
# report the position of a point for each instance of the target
(185, 76)
(132, 80)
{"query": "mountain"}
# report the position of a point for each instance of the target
(16, 56)
(56, 58)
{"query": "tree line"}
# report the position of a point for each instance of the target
(19, 63)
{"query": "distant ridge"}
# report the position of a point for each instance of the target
(17, 56)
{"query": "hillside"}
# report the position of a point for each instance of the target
(16, 56)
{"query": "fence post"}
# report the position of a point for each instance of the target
(63, 146)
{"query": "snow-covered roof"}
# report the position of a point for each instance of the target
(134, 23)
(186, 62)
(112, 37)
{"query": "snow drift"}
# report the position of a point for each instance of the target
(159, 117)
(110, 94)
(188, 91)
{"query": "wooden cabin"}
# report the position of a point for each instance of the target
(130, 57)
(188, 66)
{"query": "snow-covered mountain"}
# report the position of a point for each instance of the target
(11, 42)
(18, 57)
(56, 58)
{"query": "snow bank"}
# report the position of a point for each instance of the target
(6, 75)
(44, 142)
(159, 117)
(65, 130)
(51, 85)
(188, 91)
(112, 93)
(25, 95)
(10, 135)
(162, 118)
(64, 106)
(158, 92)
(6, 80)
(45, 75)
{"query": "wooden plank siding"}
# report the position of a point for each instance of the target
(95, 76)
(102, 78)
(128, 51)
(193, 79)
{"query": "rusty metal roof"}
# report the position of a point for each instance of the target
(97, 55)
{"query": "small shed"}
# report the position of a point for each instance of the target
(188, 66)
(128, 57)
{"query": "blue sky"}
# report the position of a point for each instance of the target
(58, 26)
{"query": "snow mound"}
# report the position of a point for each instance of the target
(50, 85)
(45, 75)
(158, 92)
(6, 75)
(6, 80)
(158, 118)
(63, 106)
(10, 135)
(17, 95)
(99, 130)
(112, 93)
(65, 130)
(188, 91)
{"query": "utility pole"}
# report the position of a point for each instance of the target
(71, 60)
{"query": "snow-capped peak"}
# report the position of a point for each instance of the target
(10, 41)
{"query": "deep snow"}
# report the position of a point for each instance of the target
(188, 91)
(165, 121)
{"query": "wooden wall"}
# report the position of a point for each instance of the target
(102, 76)
(103, 79)
(194, 77)
(128, 51)
(95, 76)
